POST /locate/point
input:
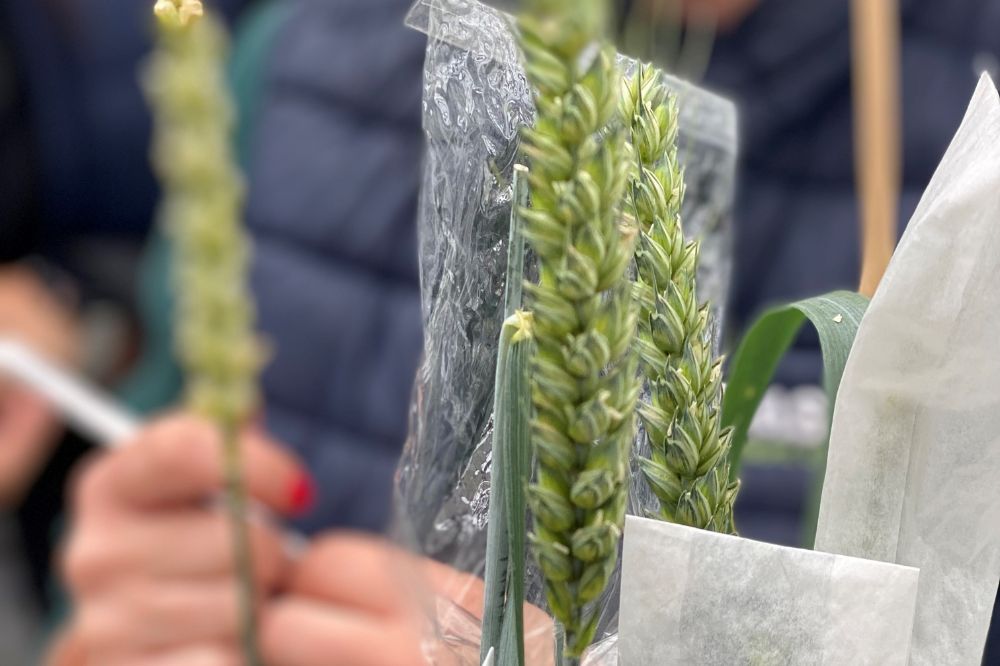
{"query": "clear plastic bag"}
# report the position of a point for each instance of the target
(476, 100)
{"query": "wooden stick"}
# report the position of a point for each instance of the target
(875, 47)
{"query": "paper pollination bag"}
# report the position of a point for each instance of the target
(691, 597)
(914, 462)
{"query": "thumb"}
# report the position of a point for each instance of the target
(27, 433)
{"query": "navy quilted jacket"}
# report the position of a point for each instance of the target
(85, 116)
(334, 179)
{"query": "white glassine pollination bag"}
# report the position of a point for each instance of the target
(914, 465)
(696, 598)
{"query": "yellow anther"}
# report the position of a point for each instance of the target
(178, 13)
(525, 322)
(166, 11)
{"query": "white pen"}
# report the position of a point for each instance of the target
(93, 413)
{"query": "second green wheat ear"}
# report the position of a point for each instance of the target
(688, 469)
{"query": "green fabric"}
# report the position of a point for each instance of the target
(256, 35)
(156, 381)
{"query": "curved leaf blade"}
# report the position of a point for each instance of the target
(836, 317)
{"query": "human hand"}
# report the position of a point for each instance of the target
(348, 603)
(150, 561)
(30, 313)
(357, 600)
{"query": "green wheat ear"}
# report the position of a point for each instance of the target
(201, 209)
(688, 470)
(584, 386)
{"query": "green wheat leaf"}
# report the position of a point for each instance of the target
(836, 317)
(503, 602)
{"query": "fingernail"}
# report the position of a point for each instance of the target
(302, 494)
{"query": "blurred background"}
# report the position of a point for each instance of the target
(329, 102)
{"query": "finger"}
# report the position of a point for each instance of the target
(463, 589)
(297, 632)
(466, 591)
(356, 571)
(193, 655)
(31, 311)
(27, 433)
(196, 543)
(180, 460)
(143, 616)
(24, 414)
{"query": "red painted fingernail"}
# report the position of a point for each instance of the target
(302, 494)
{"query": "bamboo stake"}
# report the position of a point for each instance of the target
(875, 47)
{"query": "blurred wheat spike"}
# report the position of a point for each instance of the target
(584, 386)
(688, 470)
(201, 209)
